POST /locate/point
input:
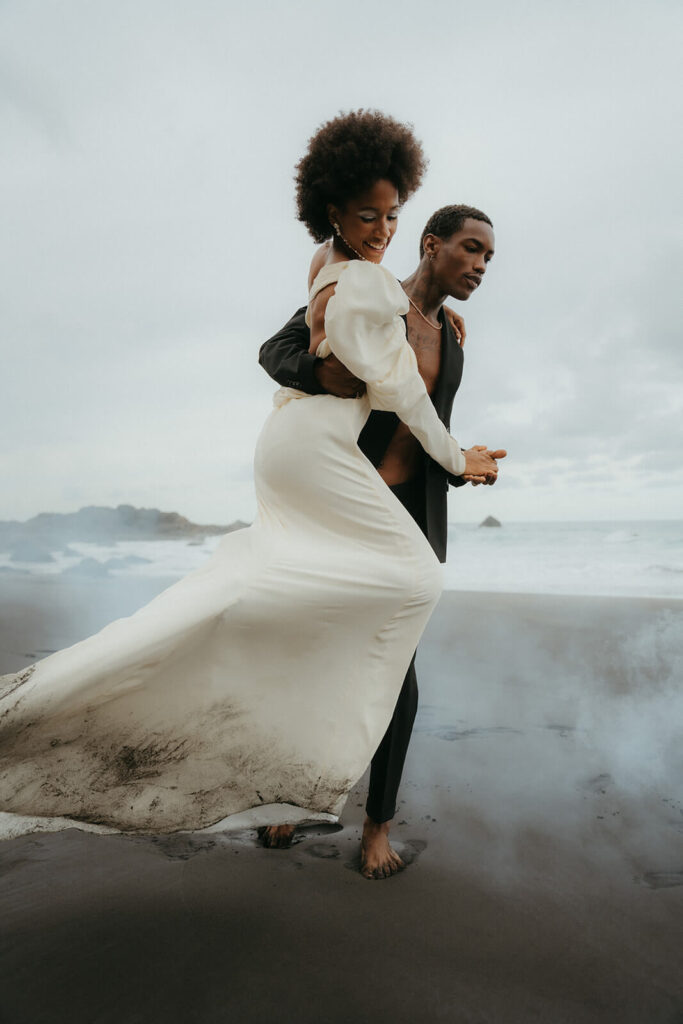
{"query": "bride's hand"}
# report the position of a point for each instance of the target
(481, 465)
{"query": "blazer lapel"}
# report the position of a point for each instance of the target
(450, 373)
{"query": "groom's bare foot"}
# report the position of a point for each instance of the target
(377, 859)
(276, 837)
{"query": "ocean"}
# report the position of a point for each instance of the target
(628, 559)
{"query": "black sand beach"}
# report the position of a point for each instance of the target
(542, 814)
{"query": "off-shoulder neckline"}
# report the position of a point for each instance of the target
(331, 272)
(326, 271)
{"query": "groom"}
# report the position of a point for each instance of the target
(455, 248)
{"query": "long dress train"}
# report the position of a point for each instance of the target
(268, 676)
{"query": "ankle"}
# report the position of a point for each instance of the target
(376, 827)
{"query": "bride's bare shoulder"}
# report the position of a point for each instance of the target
(325, 289)
(319, 260)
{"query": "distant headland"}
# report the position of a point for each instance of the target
(100, 525)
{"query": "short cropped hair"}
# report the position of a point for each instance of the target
(448, 220)
(346, 156)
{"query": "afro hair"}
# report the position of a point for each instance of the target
(346, 156)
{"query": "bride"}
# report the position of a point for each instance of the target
(256, 690)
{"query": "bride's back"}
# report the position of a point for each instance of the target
(316, 311)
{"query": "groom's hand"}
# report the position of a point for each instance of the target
(335, 379)
(457, 323)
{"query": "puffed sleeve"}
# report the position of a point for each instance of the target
(364, 330)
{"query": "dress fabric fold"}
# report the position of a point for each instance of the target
(256, 689)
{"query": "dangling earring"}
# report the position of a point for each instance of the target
(347, 244)
(431, 257)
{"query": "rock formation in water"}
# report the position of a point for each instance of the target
(50, 531)
(490, 521)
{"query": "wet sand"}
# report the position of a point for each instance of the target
(542, 812)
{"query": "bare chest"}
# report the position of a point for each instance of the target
(426, 344)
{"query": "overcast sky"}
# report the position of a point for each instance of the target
(149, 242)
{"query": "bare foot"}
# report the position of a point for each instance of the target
(377, 859)
(276, 837)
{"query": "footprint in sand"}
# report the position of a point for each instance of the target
(599, 784)
(663, 879)
(562, 730)
(408, 851)
(8, 864)
(179, 847)
(27, 853)
(325, 851)
(450, 733)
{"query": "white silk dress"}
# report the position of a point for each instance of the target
(264, 681)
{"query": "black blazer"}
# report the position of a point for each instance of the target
(285, 357)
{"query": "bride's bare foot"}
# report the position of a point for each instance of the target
(377, 859)
(276, 837)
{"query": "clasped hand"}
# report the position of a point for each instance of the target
(481, 464)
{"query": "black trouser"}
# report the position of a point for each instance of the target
(387, 764)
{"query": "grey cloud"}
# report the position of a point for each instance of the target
(150, 242)
(26, 107)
